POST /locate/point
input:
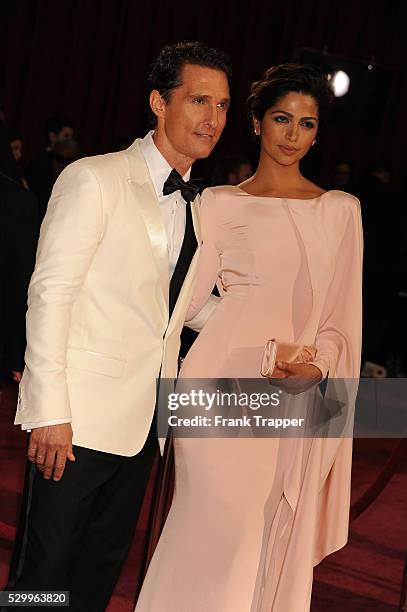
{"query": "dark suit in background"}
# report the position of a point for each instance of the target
(18, 243)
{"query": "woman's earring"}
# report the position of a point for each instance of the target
(313, 143)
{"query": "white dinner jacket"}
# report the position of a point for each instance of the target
(97, 321)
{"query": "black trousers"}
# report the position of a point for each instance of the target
(75, 534)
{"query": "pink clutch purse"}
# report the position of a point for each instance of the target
(285, 351)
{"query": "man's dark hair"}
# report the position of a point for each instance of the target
(13, 135)
(165, 73)
(56, 124)
(278, 81)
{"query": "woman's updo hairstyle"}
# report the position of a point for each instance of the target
(280, 80)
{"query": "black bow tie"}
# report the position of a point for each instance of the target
(189, 189)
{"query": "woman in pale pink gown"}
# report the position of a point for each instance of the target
(252, 517)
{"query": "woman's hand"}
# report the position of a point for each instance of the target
(295, 378)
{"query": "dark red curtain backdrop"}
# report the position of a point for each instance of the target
(89, 59)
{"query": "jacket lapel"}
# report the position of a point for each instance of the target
(195, 218)
(140, 181)
(143, 189)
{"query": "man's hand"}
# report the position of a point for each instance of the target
(17, 376)
(50, 447)
(295, 378)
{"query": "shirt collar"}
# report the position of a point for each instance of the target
(157, 165)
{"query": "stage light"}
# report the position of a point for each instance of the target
(340, 83)
(360, 88)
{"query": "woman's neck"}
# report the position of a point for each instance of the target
(273, 178)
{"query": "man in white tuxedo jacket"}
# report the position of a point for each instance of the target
(107, 301)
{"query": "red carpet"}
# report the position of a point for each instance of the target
(365, 576)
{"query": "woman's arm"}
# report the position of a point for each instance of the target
(209, 259)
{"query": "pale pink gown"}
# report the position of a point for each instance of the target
(251, 517)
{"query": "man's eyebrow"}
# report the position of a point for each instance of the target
(207, 97)
(290, 115)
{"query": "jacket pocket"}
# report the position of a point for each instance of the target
(95, 362)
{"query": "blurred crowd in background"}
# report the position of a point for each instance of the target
(27, 185)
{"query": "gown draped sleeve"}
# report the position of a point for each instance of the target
(339, 334)
(209, 258)
(338, 342)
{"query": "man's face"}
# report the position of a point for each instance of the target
(66, 133)
(192, 120)
(242, 173)
(342, 174)
(17, 148)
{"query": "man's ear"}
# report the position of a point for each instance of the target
(157, 104)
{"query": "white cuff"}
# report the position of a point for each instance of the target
(30, 426)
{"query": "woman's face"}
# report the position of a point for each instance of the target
(288, 128)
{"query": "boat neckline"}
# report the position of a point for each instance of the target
(284, 198)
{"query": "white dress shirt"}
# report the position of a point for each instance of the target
(172, 206)
(173, 210)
